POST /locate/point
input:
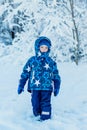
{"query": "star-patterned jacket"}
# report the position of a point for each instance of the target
(40, 71)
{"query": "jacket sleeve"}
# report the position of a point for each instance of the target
(25, 75)
(56, 77)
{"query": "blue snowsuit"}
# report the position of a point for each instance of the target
(43, 78)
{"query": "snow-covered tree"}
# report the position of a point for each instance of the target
(26, 20)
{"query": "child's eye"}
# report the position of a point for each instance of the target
(46, 47)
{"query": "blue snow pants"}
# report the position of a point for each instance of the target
(41, 103)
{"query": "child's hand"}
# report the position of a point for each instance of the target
(20, 90)
(56, 91)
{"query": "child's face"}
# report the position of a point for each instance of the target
(43, 48)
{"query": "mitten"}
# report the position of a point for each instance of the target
(20, 90)
(56, 91)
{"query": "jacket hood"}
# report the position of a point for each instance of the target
(39, 41)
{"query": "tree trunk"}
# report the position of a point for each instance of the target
(75, 33)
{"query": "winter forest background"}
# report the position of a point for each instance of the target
(63, 21)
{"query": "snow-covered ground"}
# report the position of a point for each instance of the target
(69, 108)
